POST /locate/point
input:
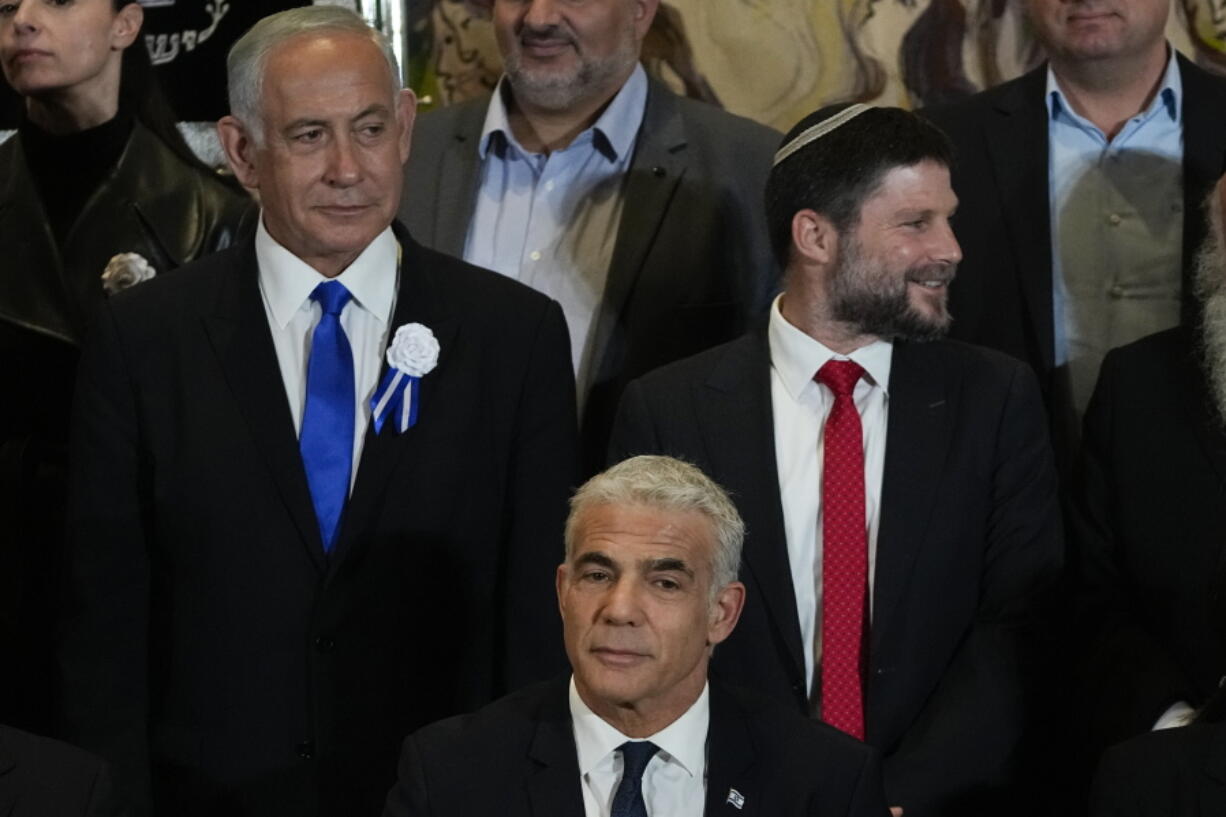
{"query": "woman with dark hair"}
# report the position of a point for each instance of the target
(96, 178)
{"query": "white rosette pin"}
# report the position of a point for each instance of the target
(412, 355)
(126, 270)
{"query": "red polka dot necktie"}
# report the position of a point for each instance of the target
(844, 554)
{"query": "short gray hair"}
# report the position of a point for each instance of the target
(668, 484)
(248, 57)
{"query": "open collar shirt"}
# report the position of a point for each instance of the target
(550, 220)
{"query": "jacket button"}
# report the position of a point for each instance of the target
(324, 644)
(306, 749)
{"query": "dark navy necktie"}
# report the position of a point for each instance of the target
(628, 800)
(326, 439)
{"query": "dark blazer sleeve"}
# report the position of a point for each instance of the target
(409, 797)
(969, 732)
(868, 799)
(543, 468)
(104, 646)
(1124, 661)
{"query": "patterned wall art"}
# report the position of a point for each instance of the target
(777, 60)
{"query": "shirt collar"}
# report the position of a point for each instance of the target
(1169, 96)
(796, 356)
(288, 281)
(618, 126)
(684, 741)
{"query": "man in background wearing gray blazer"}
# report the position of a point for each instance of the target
(638, 210)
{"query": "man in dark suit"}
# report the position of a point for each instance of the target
(1148, 520)
(273, 581)
(40, 777)
(1080, 185)
(648, 589)
(898, 561)
(637, 209)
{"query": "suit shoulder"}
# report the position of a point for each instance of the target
(682, 374)
(479, 288)
(787, 736)
(444, 118)
(974, 359)
(48, 761)
(1163, 347)
(976, 106)
(1165, 750)
(715, 122)
(491, 729)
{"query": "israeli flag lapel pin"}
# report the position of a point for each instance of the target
(736, 798)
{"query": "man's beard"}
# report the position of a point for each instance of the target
(1210, 278)
(553, 91)
(877, 302)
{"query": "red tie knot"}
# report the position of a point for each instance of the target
(840, 376)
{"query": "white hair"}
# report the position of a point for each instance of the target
(1210, 282)
(668, 484)
(248, 57)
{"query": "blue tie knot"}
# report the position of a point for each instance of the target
(331, 296)
(636, 754)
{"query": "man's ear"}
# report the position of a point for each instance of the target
(126, 26)
(406, 115)
(725, 612)
(814, 237)
(239, 147)
(644, 13)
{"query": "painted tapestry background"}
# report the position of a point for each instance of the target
(777, 60)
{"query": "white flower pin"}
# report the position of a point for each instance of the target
(126, 270)
(412, 355)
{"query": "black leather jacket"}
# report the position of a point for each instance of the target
(152, 204)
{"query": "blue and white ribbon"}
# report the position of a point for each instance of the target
(397, 396)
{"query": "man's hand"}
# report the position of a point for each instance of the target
(895, 811)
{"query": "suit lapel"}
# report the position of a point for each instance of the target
(917, 438)
(731, 760)
(417, 301)
(1201, 412)
(1213, 792)
(1204, 159)
(458, 179)
(659, 163)
(238, 331)
(10, 793)
(1016, 135)
(737, 396)
(553, 789)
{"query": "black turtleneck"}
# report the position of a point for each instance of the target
(68, 168)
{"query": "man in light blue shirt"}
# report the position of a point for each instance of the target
(637, 210)
(1081, 185)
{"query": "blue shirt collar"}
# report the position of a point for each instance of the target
(1169, 96)
(614, 132)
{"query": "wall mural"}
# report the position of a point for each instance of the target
(777, 60)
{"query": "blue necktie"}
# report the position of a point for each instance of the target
(628, 800)
(326, 439)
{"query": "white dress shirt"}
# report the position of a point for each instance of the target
(286, 284)
(675, 780)
(800, 406)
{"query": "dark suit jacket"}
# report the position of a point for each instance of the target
(211, 643)
(1149, 529)
(969, 532)
(40, 777)
(516, 758)
(1002, 297)
(152, 204)
(1170, 773)
(692, 265)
